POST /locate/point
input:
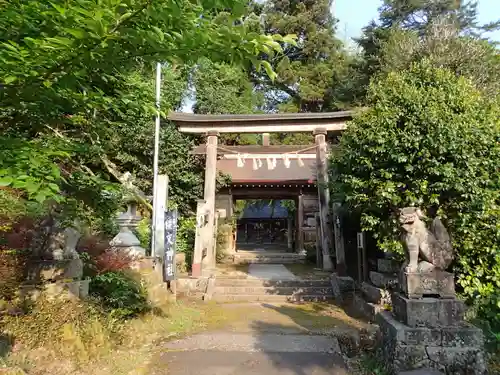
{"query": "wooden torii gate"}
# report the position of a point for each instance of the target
(213, 125)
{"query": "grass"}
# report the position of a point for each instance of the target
(371, 365)
(96, 348)
(307, 271)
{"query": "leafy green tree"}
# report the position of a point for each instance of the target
(419, 14)
(130, 144)
(443, 46)
(312, 70)
(225, 89)
(64, 67)
(429, 139)
(417, 17)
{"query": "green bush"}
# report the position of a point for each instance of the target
(429, 139)
(186, 233)
(120, 293)
(143, 233)
(223, 240)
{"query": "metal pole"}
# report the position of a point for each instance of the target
(156, 157)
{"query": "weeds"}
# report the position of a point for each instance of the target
(63, 325)
(69, 337)
(371, 365)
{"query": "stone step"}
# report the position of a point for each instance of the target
(270, 298)
(388, 266)
(266, 261)
(266, 257)
(383, 280)
(368, 309)
(286, 291)
(267, 254)
(374, 294)
(220, 282)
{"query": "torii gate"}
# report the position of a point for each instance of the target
(213, 125)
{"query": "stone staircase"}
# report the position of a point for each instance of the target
(265, 257)
(256, 290)
(374, 296)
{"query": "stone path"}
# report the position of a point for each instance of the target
(268, 340)
(270, 272)
(224, 353)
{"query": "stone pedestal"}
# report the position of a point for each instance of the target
(54, 270)
(430, 332)
(453, 349)
(427, 312)
(430, 283)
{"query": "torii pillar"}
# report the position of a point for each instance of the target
(323, 196)
(208, 262)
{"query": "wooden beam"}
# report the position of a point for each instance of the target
(268, 128)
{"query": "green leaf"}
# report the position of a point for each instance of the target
(160, 33)
(77, 33)
(61, 41)
(290, 39)
(6, 181)
(269, 70)
(9, 79)
(55, 188)
(32, 186)
(60, 9)
(40, 197)
(275, 46)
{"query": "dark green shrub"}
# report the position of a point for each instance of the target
(186, 233)
(429, 139)
(120, 293)
(143, 233)
(223, 240)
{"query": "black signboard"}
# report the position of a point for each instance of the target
(170, 239)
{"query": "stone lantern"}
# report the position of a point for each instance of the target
(126, 240)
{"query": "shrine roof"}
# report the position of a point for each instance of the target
(261, 123)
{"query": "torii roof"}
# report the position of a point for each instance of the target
(261, 123)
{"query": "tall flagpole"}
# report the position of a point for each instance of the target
(156, 158)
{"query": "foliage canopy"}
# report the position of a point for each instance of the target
(70, 71)
(429, 139)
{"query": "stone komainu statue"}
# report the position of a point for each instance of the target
(426, 249)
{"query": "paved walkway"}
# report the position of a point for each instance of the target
(225, 353)
(270, 272)
(268, 340)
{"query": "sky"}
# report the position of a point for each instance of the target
(353, 15)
